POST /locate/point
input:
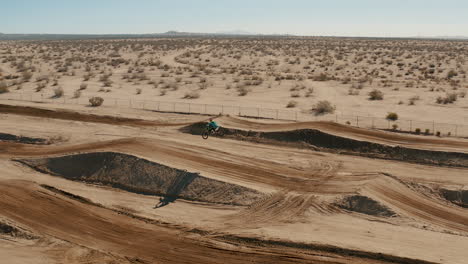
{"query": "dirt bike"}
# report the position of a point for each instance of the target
(210, 131)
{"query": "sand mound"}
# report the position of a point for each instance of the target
(145, 177)
(21, 139)
(320, 140)
(458, 197)
(364, 205)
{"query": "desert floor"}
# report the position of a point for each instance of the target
(112, 184)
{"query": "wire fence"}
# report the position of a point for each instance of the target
(401, 125)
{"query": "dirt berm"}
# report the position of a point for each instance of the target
(458, 197)
(343, 145)
(21, 139)
(138, 175)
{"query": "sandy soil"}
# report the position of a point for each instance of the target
(304, 216)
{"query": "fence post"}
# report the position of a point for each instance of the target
(204, 110)
(357, 121)
(456, 130)
(296, 116)
(190, 108)
(336, 118)
(277, 114)
(410, 125)
(222, 109)
(258, 112)
(433, 127)
(373, 123)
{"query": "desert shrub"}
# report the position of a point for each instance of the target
(376, 95)
(462, 94)
(449, 98)
(438, 133)
(323, 107)
(417, 131)
(309, 92)
(40, 86)
(291, 104)
(392, 117)
(427, 131)
(352, 91)
(3, 87)
(192, 95)
(58, 92)
(139, 90)
(77, 94)
(295, 94)
(242, 90)
(451, 74)
(321, 77)
(413, 99)
(394, 126)
(83, 86)
(96, 101)
(27, 76)
(107, 83)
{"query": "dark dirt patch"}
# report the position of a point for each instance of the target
(365, 205)
(21, 139)
(319, 140)
(138, 175)
(8, 229)
(317, 247)
(458, 197)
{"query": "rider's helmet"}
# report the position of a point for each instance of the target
(211, 119)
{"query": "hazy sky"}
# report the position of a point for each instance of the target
(301, 17)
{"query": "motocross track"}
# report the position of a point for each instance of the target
(225, 200)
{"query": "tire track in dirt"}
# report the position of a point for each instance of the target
(50, 214)
(405, 201)
(351, 132)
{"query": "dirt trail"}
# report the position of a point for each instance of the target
(351, 132)
(98, 228)
(77, 116)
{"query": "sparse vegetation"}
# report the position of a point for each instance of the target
(3, 87)
(96, 101)
(323, 107)
(392, 116)
(291, 104)
(192, 95)
(376, 95)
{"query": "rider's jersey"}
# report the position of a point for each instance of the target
(213, 125)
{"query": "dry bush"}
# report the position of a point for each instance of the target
(192, 95)
(40, 86)
(413, 99)
(352, 91)
(449, 98)
(83, 86)
(96, 101)
(295, 94)
(323, 107)
(392, 116)
(77, 94)
(3, 87)
(242, 90)
(139, 91)
(376, 95)
(58, 92)
(27, 76)
(291, 104)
